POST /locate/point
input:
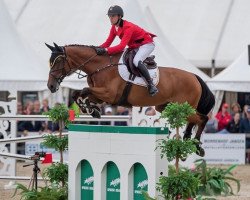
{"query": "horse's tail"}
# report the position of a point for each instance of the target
(207, 100)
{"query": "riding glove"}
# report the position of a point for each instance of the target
(100, 51)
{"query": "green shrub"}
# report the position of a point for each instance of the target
(183, 185)
(214, 181)
(45, 193)
(57, 173)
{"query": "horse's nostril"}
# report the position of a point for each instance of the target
(51, 86)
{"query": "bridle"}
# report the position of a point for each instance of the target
(70, 69)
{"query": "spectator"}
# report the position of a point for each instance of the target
(19, 108)
(245, 127)
(26, 126)
(235, 109)
(39, 126)
(212, 124)
(223, 117)
(121, 111)
(28, 108)
(234, 125)
(19, 112)
(244, 113)
(107, 111)
(45, 106)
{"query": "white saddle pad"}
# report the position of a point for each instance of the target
(124, 73)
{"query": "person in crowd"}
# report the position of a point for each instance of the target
(19, 112)
(223, 117)
(120, 110)
(28, 108)
(244, 112)
(234, 125)
(45, 106)
(26, 126)
(235, 109)
(212, 124)
(19, 108)
(107, 111)
(39, 126)
(245, 127)
(21, 145)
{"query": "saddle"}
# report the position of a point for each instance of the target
(128, 57)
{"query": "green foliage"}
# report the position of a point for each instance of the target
(214, 181)
(183, 185)
(56, 142)
(177, 148)
(176, 114)
(45, 193)
(146, 196)
(57, 173)
(59, 113)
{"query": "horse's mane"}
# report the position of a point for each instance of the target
(80, 45)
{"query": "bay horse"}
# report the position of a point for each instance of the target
(106, 85)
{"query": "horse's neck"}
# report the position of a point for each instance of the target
(85, 59)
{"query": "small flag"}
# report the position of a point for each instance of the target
(47, 158)
(71, 115)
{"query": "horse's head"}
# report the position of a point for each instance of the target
(58, 67)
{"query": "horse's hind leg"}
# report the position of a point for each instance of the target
(188, 131)
(201, 126)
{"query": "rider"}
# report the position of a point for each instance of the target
(133, 36)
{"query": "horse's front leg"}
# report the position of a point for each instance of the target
(80, 93)
(82, 99)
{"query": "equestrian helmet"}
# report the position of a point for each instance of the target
(115, 10)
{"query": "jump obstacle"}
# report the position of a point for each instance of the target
(114, 163)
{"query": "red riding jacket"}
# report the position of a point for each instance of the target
(130, 34)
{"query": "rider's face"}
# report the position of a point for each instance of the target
(113, 19)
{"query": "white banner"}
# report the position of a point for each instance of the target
(224, 148)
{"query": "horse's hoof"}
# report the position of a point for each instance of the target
(200, 151)
(183, 159)
(96, 114)
(187, 136)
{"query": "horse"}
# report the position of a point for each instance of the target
(106, 85)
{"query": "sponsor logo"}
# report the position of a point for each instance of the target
(142, 184)
(89, 180)
(115, 182)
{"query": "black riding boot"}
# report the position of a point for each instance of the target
(144, 72)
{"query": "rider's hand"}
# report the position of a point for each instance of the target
(100, 51)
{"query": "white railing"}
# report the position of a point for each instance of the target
(87, 118)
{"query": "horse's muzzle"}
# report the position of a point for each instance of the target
(52, 88)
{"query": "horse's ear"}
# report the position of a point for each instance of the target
(50, 47)
(57, 47)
